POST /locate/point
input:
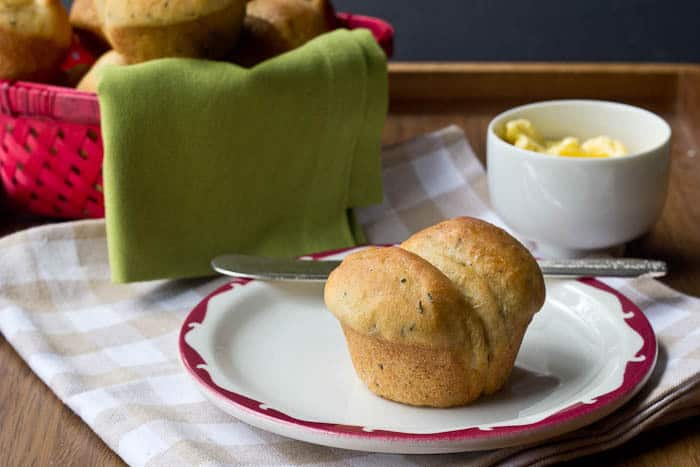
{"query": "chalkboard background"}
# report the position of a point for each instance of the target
(532, 30)
(561, 30)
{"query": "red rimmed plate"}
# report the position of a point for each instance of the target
(271, 355)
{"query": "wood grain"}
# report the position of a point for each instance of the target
(37, 429)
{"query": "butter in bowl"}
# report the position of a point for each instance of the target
(570, 201)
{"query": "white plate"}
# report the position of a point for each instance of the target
(272, 355)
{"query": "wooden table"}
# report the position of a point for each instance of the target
(36, 429)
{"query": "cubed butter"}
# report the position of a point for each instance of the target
(523, 134)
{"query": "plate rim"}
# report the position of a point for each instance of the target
(254, 412)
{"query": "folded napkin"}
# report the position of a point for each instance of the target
(109, 351)
(203, 158)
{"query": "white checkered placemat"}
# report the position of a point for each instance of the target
(109, 351)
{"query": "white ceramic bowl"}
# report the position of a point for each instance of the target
(570, 206)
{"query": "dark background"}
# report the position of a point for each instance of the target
(560, 30)
(538, 30)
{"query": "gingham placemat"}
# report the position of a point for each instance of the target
(110, 351)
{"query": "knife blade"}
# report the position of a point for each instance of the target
(290, 269)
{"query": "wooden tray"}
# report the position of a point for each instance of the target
(428, 96)
(425, 97)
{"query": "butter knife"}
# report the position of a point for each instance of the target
(287, 269)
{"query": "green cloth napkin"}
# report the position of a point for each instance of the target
(203, 158)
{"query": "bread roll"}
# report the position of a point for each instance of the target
(149, 29)
(272, 27)
(34, 38)
(83, 15)
(91, 80)
(439, 320)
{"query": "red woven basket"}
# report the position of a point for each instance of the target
(51, 144)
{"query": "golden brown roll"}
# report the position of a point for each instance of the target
(145, 30)
(272, 27)
(92, 77)
(83, 15)
(439, 320)
(88, 27)
(34, 38)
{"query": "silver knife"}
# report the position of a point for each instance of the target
(286, 269)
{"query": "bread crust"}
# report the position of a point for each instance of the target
(33, 50)
(209, 36)
(498, 277)
(483, 288)
(292, 22)
(411, 374)
(29, 58)
(400, 298)
(158, 12)
(272, 27)
(83, 15)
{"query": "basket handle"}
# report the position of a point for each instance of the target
(25, 99)
(5, 104)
